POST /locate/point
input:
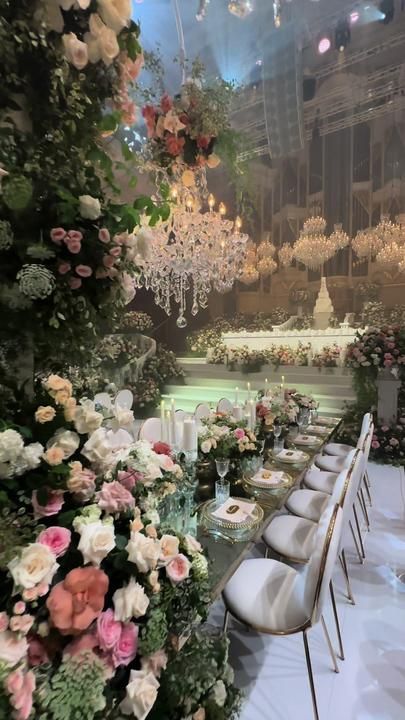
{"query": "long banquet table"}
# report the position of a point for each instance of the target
(224, 555)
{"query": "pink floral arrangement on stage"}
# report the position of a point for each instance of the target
(378, 348)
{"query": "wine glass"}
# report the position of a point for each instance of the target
(222, 485)
(277, 429)
(292, 435)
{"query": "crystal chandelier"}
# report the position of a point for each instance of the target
(391, 254)
(313, 248)
(285, 255)
(265, 253)
(240, 8)
(339, 238)
(366, 244)
(250, 273)
(192, 251)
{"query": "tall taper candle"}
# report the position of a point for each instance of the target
(169, 432)
(249, 393)
(252, 409)
(236, 396)
(162, 422)
(266, 386)
(282, 381)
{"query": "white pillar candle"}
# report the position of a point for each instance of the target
(248, 419)
(190, 441)
(237, 412)
(236, 396)
(179, 434)
(162, 422)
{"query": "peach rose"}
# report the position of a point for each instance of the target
(44, 414)
(69, 409)
(54, 455)
(78, 600)
(169, 547)
(178, 569)
(12, 649)
(54, 383)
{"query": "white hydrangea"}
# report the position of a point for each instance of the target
(15, 459)
(11, 445)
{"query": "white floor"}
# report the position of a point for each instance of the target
(371, 682)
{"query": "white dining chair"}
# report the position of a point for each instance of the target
(273, 598)
(202, 411)
(341, 449)
(224, 406)
(151, 430)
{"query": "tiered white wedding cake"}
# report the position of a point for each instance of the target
(323, 308)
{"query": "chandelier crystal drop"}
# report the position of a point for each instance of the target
(193, 252)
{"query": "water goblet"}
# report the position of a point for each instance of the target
(292, 435)
(222, 486)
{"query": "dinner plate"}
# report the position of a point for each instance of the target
(328, 421)
(309, 440)
(207, 513)
(318, 429)
(290, 457)
(280, 479)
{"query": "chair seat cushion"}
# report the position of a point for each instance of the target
(266, 595)
(308, 504)
(320, 480)
(291, 537)
(338, 449)
(330, 463)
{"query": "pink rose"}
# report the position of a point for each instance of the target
(37, 654)
(74, 246)
(64, 268)
(31, 594)
(3, 621)
(83, 270)
(116, 251)
(108, 630)
(104, 235)
(114, 497)
(178, 569)
(19, 608)
(21, 623)
(57, 235)
(239, 433)
(75, 235)
(166, 463)
(375, 444)
(108, 261)
(21, 688)
(75, 283)
(161, 448)
(56, 539)
(53, 505)
(129, 478)
(126, 648)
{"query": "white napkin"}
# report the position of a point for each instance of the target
(320, 429)
(306, 439)
(290, 455)
(274, 479)
(244, 511)
(326, 421)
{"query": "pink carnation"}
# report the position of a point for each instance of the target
(104, 235)
(83, 270)
(64, 268)
(75, 235)
(116, 251)
(57, 539)
(114, 497)
(162, 448)
(239, 433)
(375, 444)
(178, 569)
(74, 246)
(53, 505)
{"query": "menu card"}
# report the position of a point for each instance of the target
(235, 510)
(268, 477)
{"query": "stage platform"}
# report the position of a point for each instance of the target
(209, 383)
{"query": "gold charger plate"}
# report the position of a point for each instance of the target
(287, 461)
(249, 524)
(262, 485)
(314, 442)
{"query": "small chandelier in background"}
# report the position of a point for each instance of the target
(250, 273)
(339, 238)
(285, 255)
(366, 244)
(391, 256)
(265, 253)
(240, 8)
(313, 248)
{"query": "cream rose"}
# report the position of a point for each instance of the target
(206, 446)
(101, 41)
(193, 547)
(96, 541)
(12, 649)
(55, 383)
(37, 564)
(142, 691)
(115, 13)
(75, 50)
(143, 551)
(44, 414)
(65, 440)
(123, 416)
(86, 419)
(69, 409)
(90, 207)
(169, 545)
(130, 601)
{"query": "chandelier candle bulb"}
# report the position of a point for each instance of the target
(190, 440)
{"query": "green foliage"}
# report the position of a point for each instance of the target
(154, 632)
(76, 690)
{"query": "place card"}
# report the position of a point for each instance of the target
(318, 429)
(235, 511)
(268, 477)
(306, 440)
(291, 456)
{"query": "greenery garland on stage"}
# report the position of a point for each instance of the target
(96, 599)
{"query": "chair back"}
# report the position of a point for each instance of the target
(319, 570)
(365, 425)
(224, 406)
(202, 411)
(151, 430)
(355, 475)
(367, 444)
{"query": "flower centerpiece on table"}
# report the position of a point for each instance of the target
(304, 402)
(95, 598)
(275, 404)
(222, 436)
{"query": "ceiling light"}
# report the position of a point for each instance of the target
(240, 8)
(324, 45)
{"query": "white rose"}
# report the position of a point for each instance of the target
(219, 693)
(101, 41)
(32, 455)
(90, 207)
(12, 648)
(98, 449)
(142, 691)
(37, 564)
(144, 552)
(67, 440)
(115, 13)
(130, 601)
(206, 446)
(75, 50)
(123, 416)
(152, 473)
(96, 541)
(127, 287)
(193, 547)
(169, 548)
(86, 419)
